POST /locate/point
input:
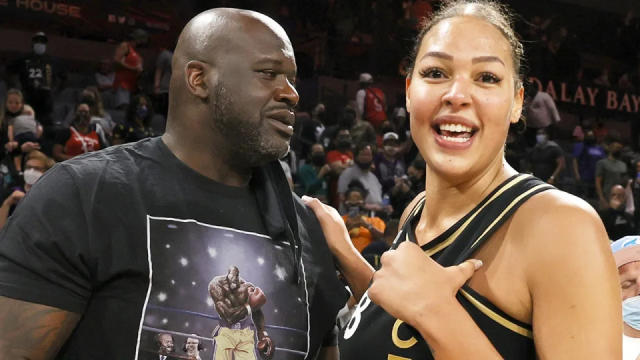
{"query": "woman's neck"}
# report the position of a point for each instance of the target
(448, 200)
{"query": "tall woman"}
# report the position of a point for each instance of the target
(542, 282)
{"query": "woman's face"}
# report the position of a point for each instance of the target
(14, 103)
(461, 97)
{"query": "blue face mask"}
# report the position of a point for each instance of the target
(631, 312)
(142, 112)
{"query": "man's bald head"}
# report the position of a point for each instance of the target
(209, 32)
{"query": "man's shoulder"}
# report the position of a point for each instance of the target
(122, 159)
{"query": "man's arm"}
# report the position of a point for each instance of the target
(32, 331)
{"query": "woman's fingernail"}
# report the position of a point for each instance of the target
(477, 264)
(305, 198)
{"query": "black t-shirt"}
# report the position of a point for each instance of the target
(138, 243)
(35, 72)
(544, 159)
(617, 223)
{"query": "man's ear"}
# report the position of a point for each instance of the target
(195, 76)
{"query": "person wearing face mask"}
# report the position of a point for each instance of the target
(610, 171)
(626, 252)
(362, 229)
(99, 117)
(362, 171)
(546, 159)
(389, 164)
(34, 74)
(79, 138)
(313, 175)
(586, 154)
(138, 125)
(36, 165)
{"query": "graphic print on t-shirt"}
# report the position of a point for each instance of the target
(220, 293)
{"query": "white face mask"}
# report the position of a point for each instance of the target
(39, 48)
(31, 176)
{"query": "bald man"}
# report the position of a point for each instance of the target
(90, 266)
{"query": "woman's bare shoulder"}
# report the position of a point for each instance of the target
(409, 208)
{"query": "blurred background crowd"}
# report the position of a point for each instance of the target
(76, 78)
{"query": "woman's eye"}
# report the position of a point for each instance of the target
(489, 78)
(432, 73)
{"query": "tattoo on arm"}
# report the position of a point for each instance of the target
(32, 331)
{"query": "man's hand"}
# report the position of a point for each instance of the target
(265, 346)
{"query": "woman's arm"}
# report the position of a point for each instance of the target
(355, 269)
(572, 279)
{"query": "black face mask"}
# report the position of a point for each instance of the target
(589, 140)
(615, 154)
(14, 114)
(317, 159)
(364, 165)
(343, 143)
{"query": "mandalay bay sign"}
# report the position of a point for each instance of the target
(590, 96)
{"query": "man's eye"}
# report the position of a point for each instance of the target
(268, 73)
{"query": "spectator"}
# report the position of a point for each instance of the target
(313, 175)
(371, 102)
(34, 75)
(129, 65)
(376, 248)
(138, 125)
(99, 117)
(79, 138)
(22, 129)
(609, 172)
(617, 221)
(408, 187)
(362, 229)
(546, 159)
(585, 156)
(362, 171)
(15, 108)
(389, 164)
(104, 76)
(161, 81)
(338, 160)
(626, 253)
(540, 110)
(309, 128)
(35, 166)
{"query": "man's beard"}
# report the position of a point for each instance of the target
(245, 138)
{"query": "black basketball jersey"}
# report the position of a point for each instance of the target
(373, 334)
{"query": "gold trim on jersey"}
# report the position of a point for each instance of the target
(497, 317)
(513, 203)
(402, 344)
(462, 227)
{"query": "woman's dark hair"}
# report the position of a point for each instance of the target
(356, 185)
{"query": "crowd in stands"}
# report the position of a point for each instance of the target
(361, 161)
